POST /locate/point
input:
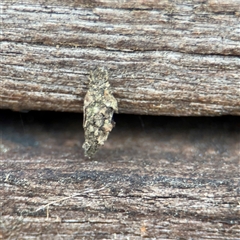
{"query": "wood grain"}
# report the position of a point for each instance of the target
(156, 178)
(165, 58)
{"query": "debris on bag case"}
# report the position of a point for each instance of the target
(99, 106)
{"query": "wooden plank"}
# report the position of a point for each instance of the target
(172, 58)
(156, 178)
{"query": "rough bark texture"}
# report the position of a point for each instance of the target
(156, 178)
(164, 57)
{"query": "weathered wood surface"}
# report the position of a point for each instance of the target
(156, 178)
(164, 57)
